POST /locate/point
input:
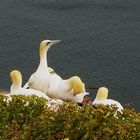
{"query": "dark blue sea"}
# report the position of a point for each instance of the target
(100, 42)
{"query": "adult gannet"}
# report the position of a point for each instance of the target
(40, 80)
(101, 98)
(72, 89)
(16, 87)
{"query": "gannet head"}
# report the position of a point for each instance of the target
(46, 44)
(102, 93)
(16, 78)
(77, 85)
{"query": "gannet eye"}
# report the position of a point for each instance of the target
(47, 43)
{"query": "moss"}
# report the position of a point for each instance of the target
(29, 118)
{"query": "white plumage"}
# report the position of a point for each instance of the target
(40, 80)
(101, 98)
(16, 88)
(72, 89)
(51, 83)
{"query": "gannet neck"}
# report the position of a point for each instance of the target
(44, 47)
(77, 85)
(102, 94)
(43, 55)
(16, 78)
(43, 61)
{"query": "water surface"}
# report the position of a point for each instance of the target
(100, 42)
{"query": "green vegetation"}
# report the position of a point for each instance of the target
(28, 118)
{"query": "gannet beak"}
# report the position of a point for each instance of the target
(54, 42)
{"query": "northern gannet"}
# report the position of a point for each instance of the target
(72, 89)
(40, 80)
(16, 87)
(101, 98)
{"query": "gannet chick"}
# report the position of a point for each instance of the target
(72, 89)
(101, 98)
(16, 87)
(40, 80)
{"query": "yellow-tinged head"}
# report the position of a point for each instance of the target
(77, 85)
(102, 93)
(16, 78)
(45, 44)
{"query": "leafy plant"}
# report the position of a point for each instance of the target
(29, 118)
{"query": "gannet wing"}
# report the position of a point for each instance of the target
(30, 81)
(26, 86)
